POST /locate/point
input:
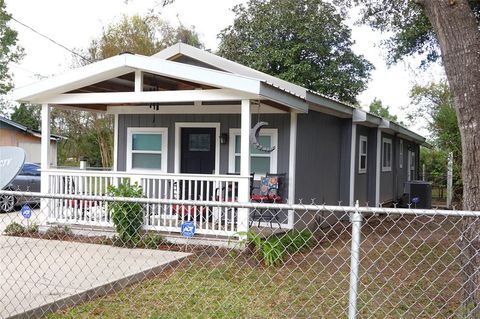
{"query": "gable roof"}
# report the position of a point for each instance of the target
(127, 63)
(23, 128)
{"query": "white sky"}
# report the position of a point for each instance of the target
(75, 23)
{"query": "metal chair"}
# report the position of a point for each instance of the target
(270, 215)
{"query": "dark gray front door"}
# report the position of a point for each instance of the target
(198, 150)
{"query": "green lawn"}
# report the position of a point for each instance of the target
(401, 278)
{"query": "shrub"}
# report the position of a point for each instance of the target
(273, 249)
(32, 229)
(58, 232)
(14, 229)
(152, 240)
(127, 217)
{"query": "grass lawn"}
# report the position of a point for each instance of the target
(401, 277)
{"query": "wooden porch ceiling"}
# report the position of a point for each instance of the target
(151, 82)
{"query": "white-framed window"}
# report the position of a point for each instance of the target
(261, 162)
(362, 154)
(147, 148)
(386, 154)
(411, 165)
(400, 154)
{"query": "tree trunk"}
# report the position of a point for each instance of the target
(459, 38)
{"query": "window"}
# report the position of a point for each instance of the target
(261, 162)
(386, 155)
(411, 166)
(147, 148)
(400, 156)
(362, 154)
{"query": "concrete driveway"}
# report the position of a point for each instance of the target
(38, 276)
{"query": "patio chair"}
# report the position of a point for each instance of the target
(271, 190)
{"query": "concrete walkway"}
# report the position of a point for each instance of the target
(39, 276)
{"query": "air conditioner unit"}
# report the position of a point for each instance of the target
(418, 194)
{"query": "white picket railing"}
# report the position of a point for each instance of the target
(161, 217)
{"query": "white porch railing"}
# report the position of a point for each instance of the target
(160, 217)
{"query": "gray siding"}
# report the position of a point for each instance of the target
(365, 182)
(402, 173)
(387, 180)
(322, 158)
(227, 121)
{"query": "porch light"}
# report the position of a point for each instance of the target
(223, 138)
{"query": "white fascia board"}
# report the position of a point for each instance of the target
(227, 65)
(150, 97)
(77, 78)
(194, 74)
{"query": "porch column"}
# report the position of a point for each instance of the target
(45, 157)
(244, 185)
(291, 165)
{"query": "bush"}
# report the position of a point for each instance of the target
(274, 249)
(127, 217)
(152, 240)
(14, 229)
(58, 232)
(32, 229)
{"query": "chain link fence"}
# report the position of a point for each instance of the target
(100, 257)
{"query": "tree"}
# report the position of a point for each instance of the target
(377, 108)
(91, 134)
(28, 115)
(10, 51)
(434, 103)
(448, 29)
(304, 42)
(144, 35)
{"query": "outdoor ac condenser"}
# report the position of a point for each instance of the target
(419, 194)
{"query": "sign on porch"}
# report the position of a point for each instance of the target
(188, 229)
(11, 162)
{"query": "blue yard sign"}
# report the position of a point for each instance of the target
(416, 200)
(188, 229)
(26, 211)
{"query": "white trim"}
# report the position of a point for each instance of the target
(115, 142)
(148, 130)
(176, 96)
(138, 81)
(226, 65)
(386, 140)
(410, 164)
(352, 163)
(292, 159)
(179, 126)
(188, 109)
(361, 139)
(400, 154)
(378, 167)
(272, 132)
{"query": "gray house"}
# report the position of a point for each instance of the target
(183, 130)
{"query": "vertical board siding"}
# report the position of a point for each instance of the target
(387, 180)
(321, 157)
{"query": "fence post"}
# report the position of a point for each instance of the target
(449, 179)
(356, 219)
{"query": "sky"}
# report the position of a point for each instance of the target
(75, 23)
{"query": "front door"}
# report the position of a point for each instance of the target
(198, 150)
